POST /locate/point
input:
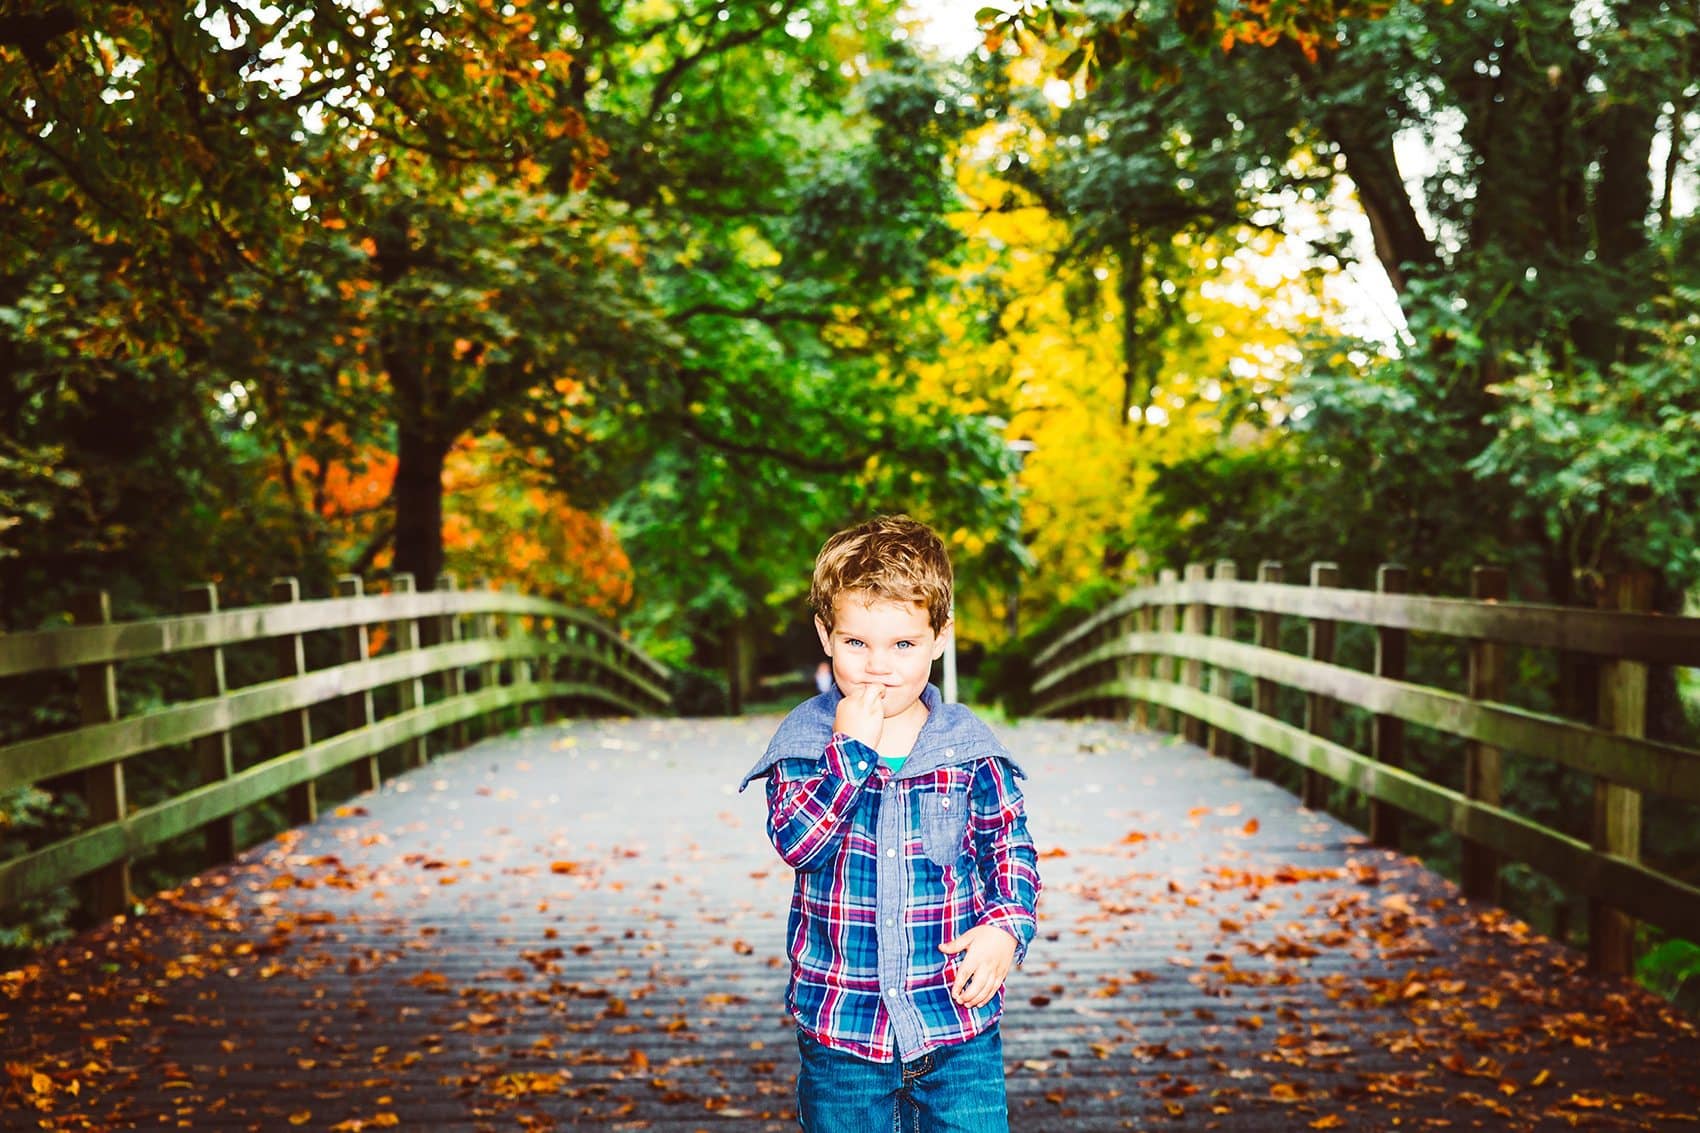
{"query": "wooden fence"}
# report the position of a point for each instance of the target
(403, 665)
(1177, 648)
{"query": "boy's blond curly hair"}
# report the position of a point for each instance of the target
(892, 558)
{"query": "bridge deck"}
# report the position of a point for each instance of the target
(583, 925)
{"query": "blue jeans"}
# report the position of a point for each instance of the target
(954, 1089)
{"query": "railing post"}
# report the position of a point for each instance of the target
(357, 649)
(108, 889)
(490, 672)
(1220, 741)
(1319, 709)
(1193, 622)
(1267, 635)
(548, 629)
(567, 668)
(412, 690)
(1126, 666)
(294, 728)
(1166, 578)
(523, 711)
(1617, 809)
(454, 679)
(1387, 732)
(1143, 620)
(213, 758)
(1478, 865)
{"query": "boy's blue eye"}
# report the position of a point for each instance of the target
(853, 641)
(906, 645)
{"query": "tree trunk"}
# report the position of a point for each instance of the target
(740, 659)
(419, 506)
(1401, 245)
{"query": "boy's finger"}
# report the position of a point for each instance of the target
(963, 979)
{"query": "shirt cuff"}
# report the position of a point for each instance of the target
(1019, 923)
(850, 759)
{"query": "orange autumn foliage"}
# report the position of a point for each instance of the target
(503, 524)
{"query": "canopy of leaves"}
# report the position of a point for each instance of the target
(1547, 245)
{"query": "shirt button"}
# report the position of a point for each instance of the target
(890, 921)
(891, 991)
(891, 853)
(861, 765)
(944, 804)
(950, 753)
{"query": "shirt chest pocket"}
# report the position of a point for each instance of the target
(944, 822)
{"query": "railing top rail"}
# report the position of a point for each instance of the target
(1649, 637)
(53, 649)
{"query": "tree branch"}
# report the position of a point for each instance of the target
(755, 312)
(675, 74)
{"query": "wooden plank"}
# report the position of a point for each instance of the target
(102, 788)
(45, 650)
(1165, 661)
(1657, 639)
(1143, 665)
(31, 761)
(1387, 730)
(1616, 825)
(517, 629)
(1657, 898)
(412, 689)
(358, 708)
(1194, 620)
(485, 626)
(294, 728)
(453, 679)
(1479, 865)
(1218, 742)
(1648, 765)
(213, 756)
(1319, 707)
(1263, 690)
(56, 865)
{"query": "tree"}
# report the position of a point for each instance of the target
(789, 170)
(1537, 233)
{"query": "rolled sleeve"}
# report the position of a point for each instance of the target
(809, 806)
(1007, 860)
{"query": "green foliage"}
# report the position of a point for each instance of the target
(25, 814)
(1672, 967)
(1605, 463)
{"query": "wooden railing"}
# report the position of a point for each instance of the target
(1175, 649)
(403, 665)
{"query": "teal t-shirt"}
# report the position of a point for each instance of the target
(893, 762)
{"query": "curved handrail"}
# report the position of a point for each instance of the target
(454, 658)
(1170, 647)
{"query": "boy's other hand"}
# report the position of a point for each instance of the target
(861, 714)
(989, 952)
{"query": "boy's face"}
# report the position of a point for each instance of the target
(885, 643)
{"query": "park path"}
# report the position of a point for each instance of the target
(582, 926)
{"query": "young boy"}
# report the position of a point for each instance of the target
(916, 881)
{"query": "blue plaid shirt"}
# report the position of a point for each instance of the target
(888, 867)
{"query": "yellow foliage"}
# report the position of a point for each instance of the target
(1055, 370)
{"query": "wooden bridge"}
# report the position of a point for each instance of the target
(581, 923)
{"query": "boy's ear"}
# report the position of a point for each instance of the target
(942, 638)
(825, 635)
